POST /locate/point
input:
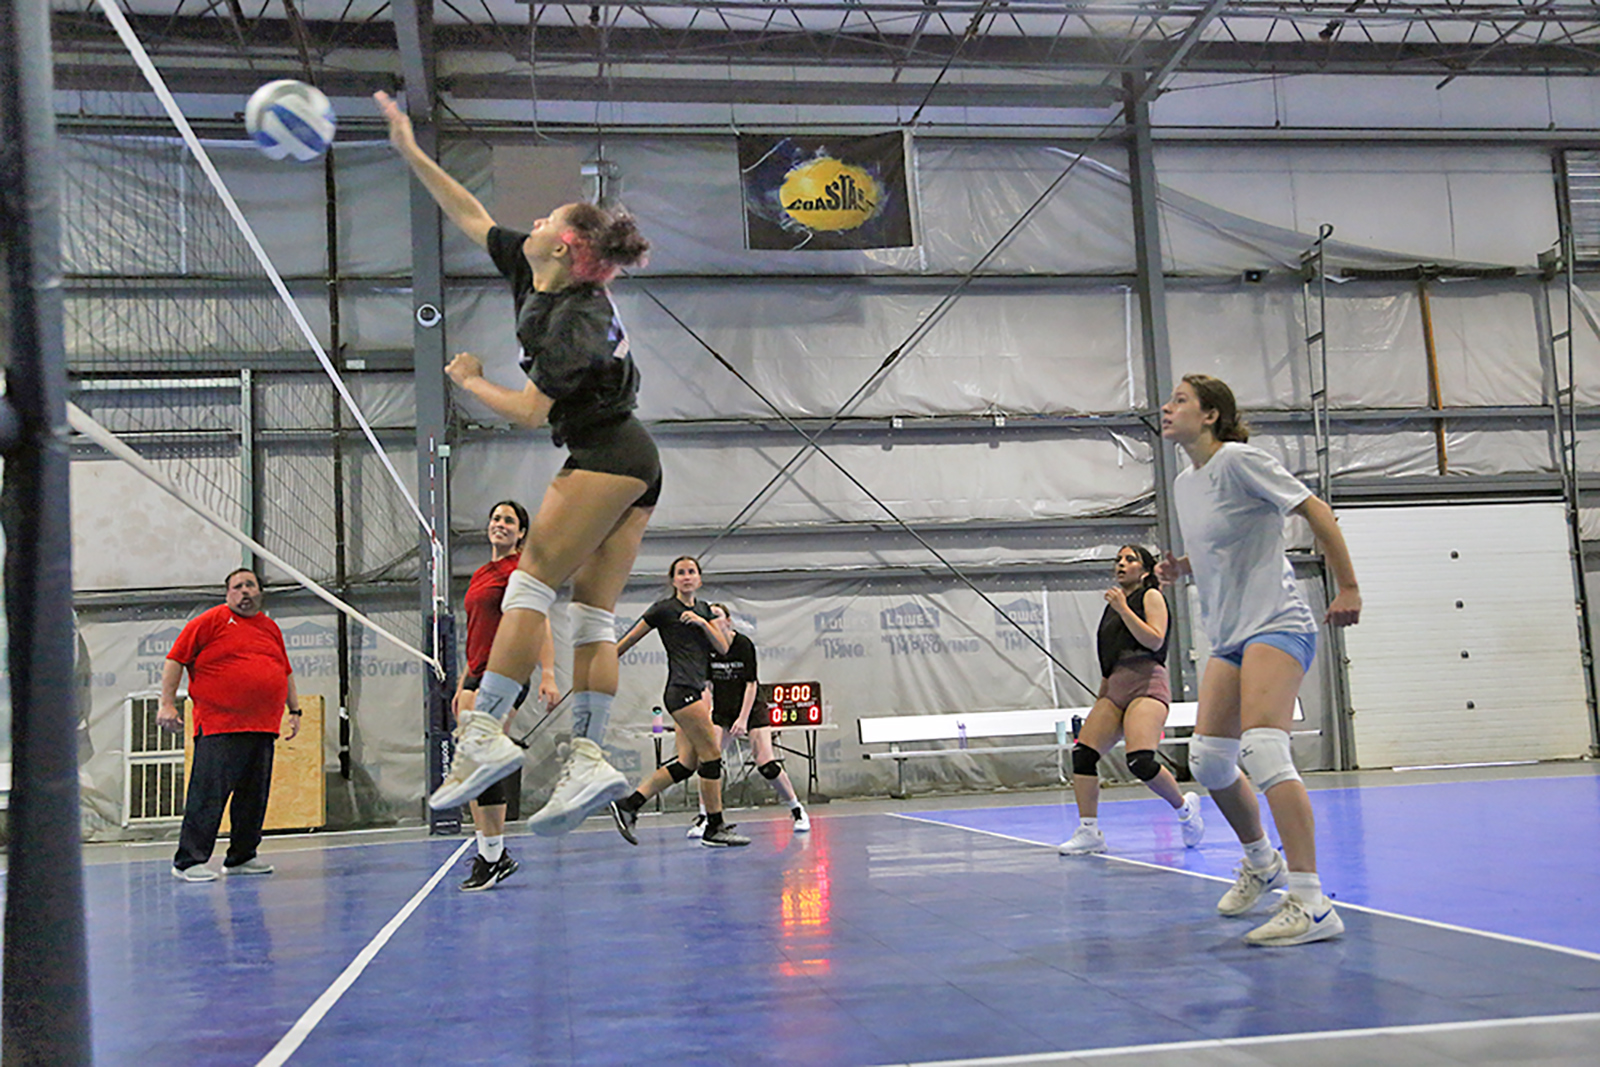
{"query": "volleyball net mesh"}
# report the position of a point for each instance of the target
(207, 373)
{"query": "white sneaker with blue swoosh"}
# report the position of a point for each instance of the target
(1295, 923)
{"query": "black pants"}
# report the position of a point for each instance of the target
(239, 765)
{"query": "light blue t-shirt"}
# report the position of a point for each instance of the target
(1231, 512)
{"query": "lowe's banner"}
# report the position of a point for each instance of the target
(825, 193)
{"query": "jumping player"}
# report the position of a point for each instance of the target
(582, 382)
(1132, 702)
(1231, 505)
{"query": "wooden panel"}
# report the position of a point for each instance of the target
(298, 800)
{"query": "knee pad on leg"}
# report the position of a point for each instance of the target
(525, 591)
(591, 625)
(1264, 755)
(711, 768)
(678, 771)
(1142, 763)
(1214, 761)
(1084, 759)
(771, 769)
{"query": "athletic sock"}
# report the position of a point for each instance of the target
(713, 821)
(632, 802)
(492, 848)
(1306, 885)
(496, 695)
(1259, 854)
(1089, 822)
(590, 711)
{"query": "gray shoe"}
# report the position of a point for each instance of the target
(253, 865)
(723, 837)
(197, 873)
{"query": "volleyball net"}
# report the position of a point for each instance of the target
(208, 375)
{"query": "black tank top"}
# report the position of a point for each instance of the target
(1116, 642)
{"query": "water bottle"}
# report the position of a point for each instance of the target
(961, 734)
(656, 724)
(1061, 733)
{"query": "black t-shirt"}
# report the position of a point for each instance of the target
(731, 672)
(688, 647)
(1115, 642)
(573, 345)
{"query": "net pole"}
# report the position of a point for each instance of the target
(46, 997)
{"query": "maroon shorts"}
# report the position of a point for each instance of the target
(1138, 678)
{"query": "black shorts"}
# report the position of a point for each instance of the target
(623, 447)
(470, 683)
(726, 718)
(678, 697)
(499, 792)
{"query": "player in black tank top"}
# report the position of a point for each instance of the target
(582, 382)
(1132, 702)
(689, 637)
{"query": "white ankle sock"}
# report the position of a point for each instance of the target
(1306, 885)
(492, 848)
(1259, 854)
(1090, 823)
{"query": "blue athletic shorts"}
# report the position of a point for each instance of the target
(1302, 647)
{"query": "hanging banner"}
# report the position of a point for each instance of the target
(825, 193)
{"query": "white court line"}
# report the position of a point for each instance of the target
(1508, 938)
(1265, 1039)
(306, 1023)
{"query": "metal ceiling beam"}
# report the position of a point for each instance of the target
(413, 32)
(214, 39)
(1191, 37)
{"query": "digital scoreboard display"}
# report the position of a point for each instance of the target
(793, 704)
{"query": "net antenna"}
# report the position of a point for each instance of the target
(158, 86)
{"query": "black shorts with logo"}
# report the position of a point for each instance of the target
(678, 697)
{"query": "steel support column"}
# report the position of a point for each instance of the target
(413, 23)
(1158, 377)
(46, 998)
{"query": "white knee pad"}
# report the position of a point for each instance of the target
(525, 591)
(1214, 761)
(1264, 755)
(591, 625)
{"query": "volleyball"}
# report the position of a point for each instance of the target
(290, 118)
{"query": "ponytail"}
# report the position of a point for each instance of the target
(1214, 395)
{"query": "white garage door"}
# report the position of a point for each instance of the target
(1467, 649)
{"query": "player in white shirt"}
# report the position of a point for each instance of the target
(1231, 507)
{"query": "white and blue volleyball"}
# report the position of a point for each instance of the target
(290, 118)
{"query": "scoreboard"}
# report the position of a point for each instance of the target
(791, 704)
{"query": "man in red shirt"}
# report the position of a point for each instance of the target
(240, 681)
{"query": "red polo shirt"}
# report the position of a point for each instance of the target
(238, 671)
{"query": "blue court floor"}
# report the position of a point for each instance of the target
(886, 936)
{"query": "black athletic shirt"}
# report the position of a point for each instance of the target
(1116, 642)
(573, 345)
(688, 647)
(731, 672)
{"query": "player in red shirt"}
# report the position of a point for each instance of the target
(240, 681)
(508, 528)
